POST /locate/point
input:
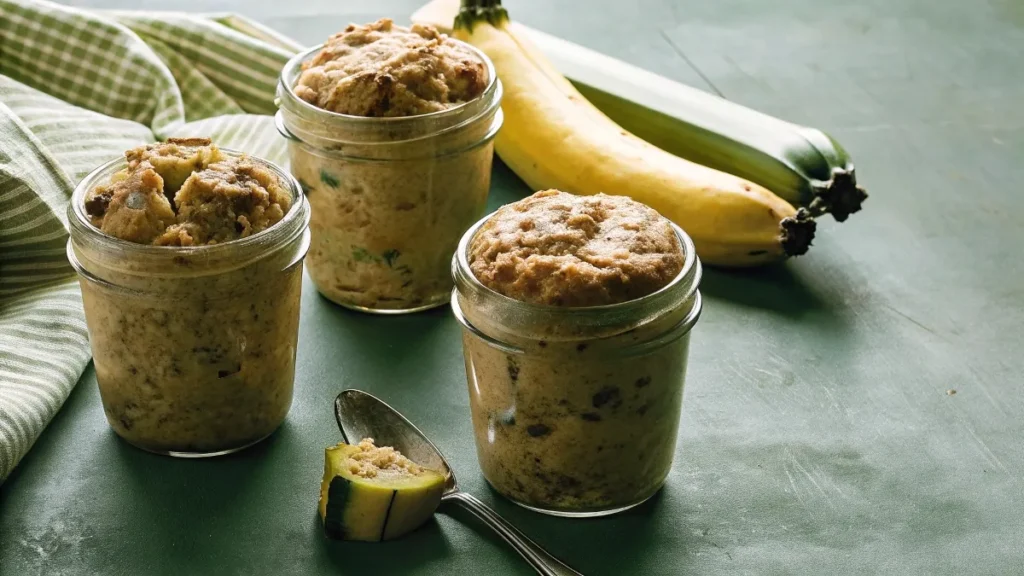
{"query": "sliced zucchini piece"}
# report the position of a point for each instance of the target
(373, 493)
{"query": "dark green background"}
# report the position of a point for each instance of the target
(818, 434)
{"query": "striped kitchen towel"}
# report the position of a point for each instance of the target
(77, 88)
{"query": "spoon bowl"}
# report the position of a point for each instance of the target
(362, 415)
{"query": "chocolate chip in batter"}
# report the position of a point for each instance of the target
(591, 416)
(233, 370)
(606, 395)
(538, 430)
(97, 205)
(581, 347)
(641, 382)
(513, 369)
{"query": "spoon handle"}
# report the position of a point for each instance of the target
(541, 560)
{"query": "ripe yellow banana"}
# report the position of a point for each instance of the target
(551, 141)
(801, 165)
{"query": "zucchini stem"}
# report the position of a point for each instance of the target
(840, 198)
(797, 232)
(473, 12)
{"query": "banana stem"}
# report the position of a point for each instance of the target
(840, 198)
(797, 232)
(475, 11)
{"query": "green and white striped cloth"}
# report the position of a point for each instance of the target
(77, 88)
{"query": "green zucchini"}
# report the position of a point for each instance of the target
(372, 493)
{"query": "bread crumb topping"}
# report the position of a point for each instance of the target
(372, 461)
(561, 249)
(186, 192)
(383, 70)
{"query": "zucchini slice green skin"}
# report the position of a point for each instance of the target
(377, 508)
(337, 499)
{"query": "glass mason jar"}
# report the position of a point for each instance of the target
(576, 410)
(391, 196)
(194, 347)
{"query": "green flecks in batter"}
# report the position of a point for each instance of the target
(329, 179)
(360, 254)
(390, 256)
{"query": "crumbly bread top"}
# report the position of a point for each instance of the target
(380, 69)
(560, 249)
(372, 461)
(186, 192)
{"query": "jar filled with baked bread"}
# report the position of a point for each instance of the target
(390, 133)
(190, 263)
(576, 314)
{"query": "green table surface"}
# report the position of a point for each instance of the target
(820, 433)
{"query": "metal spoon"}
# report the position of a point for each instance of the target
(361, 415)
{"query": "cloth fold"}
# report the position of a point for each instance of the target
(77, 88)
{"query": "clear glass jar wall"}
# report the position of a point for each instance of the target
(576, 410)
(194, 348)
(390, 197)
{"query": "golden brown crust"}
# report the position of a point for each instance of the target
(228, 200)
(135, 208)
(385, 70)
(186, 192)
(560, 249)
(175, 160)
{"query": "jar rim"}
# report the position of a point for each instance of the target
(290, 227)
(619, 317)
(292, 69)
(670, 335)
